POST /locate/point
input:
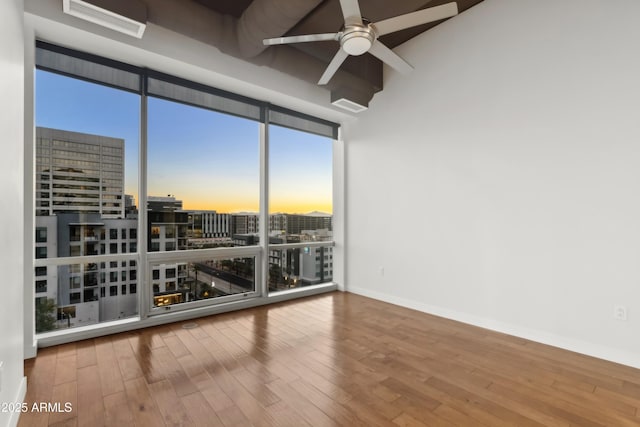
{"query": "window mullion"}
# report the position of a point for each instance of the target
(264, 206)
(144, 298)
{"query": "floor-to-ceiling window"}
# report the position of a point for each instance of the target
(203, 172)
(86, 187)
(300, 208)
(151, 193)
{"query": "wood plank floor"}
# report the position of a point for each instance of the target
(335, 359)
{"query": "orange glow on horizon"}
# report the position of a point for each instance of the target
(230, 207)
(301, 207)
(250, 204)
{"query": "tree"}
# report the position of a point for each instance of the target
(45, 319)
(195, 268)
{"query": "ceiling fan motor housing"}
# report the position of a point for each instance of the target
(357, 39)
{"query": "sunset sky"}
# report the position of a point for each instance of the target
(206, 159)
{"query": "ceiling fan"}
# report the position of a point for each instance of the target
(360, 36)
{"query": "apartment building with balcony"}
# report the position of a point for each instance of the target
(86, 293)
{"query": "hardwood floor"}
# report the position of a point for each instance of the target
(334, 359)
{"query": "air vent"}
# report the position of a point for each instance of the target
(349, 105)
(350, 100)
(128, 17)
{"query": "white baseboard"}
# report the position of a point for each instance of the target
(30, 351)
(20, 395)
(567, 343)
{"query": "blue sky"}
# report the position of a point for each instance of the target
(207, 159)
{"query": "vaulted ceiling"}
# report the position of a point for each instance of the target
(325, 16)
(237, 27)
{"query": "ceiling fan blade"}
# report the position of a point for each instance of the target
(351, 11)
(333, 66)
(300, 39)
(387, 56)
(419, 17)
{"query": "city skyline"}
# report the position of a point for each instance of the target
(314, 212)
(215, 165)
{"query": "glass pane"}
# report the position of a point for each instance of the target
(183, 282)
(85, 191)
(294, 268)
(86, 167)
(300, 181)
(203, 178)
(74, 295)
(300, 207)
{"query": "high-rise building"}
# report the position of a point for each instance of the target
(79, 172)
(80, 211)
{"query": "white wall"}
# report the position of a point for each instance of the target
(12, 386)
(499, 183)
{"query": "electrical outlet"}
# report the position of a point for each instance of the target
(620, 312)
(382, 271)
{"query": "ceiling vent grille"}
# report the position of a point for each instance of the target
(350, 99)
(349, 105)
(131, 20)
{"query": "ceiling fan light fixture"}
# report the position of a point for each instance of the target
(356, 45)
(128, 16)
(357, 42)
